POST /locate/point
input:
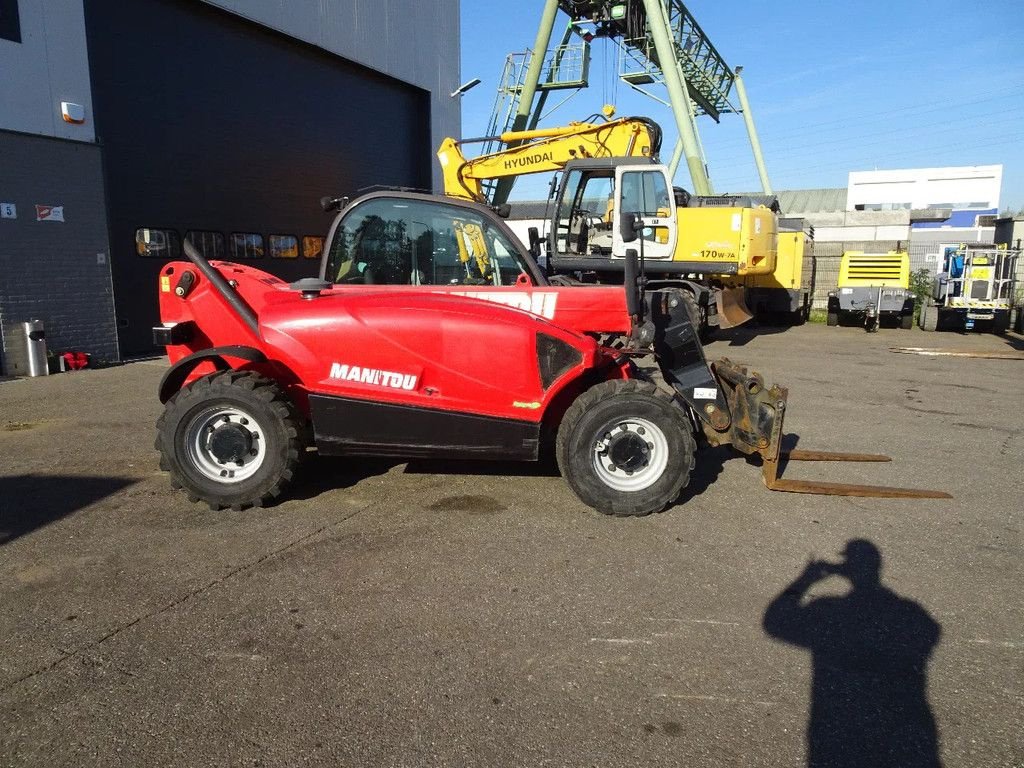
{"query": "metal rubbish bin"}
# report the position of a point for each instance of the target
(25, 349)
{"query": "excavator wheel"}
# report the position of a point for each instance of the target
(698, 316)
(231, 439)
(626, 448)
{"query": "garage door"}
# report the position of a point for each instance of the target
(222, 131)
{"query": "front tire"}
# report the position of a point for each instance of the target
(832, 320)
(626, 448)
(232, 439)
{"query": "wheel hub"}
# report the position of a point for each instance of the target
(627, 451)
(230, 442)
(630, 454)
(225, 444)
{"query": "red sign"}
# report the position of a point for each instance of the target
(49, 213)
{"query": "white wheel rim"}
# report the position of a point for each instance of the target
(198, 439)
(655, 455)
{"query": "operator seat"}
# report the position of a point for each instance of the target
(579, 234)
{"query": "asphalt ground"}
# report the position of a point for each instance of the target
(426, 614)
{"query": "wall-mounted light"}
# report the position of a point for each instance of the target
(72, 113)
(465, 87)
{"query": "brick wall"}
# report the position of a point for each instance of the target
(51, 271)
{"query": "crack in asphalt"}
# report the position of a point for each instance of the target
(82, 650)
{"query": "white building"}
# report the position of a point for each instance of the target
(962, 188)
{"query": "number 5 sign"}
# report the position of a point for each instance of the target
(8, 211)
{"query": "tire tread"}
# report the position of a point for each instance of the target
(611, 389)
(249, 382)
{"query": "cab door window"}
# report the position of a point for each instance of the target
(586, 211)
(646, 194)
(401, 241)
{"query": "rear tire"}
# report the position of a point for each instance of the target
(906, 322)
(232, 439)
(832, 319)
(626, 448)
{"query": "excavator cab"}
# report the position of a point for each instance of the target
(592, 194)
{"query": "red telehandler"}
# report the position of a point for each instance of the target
(431, 333)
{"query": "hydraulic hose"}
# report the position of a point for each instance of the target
(654, 130)
(244, 312)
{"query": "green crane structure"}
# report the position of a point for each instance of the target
(661, 43)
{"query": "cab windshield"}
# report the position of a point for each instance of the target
(397, 241)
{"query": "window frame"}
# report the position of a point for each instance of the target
(270, 247)
(323, 245)
(232, 249)
(223, 243)
(177, 252)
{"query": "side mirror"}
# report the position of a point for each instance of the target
(553, 187)
(534, 237)
(628, 227)
(329, 203)
(632, 270)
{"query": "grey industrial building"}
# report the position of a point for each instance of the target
(127, 127)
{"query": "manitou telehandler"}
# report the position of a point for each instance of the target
(452, 362)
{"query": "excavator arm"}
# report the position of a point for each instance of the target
(544, 150)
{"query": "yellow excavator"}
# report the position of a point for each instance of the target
(610, 167)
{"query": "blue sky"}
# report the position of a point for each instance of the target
(834, 87)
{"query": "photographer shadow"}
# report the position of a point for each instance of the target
(870, 649)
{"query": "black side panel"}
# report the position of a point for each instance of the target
(653, 268)
(347, 426)
(211, 122)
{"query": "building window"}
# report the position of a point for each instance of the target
(284, 247)
(246, 245)
(883, 207)
(312, 247)
(10, 25)
(961, 205)
(209, 244)
(157, 243)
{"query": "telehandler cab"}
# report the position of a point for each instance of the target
(451, 364)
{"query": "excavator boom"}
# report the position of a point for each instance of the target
(544, 150)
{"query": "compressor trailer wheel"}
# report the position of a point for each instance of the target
(626, 448)
(231, 439)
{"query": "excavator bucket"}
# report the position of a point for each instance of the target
(756, 427)
(732, 307)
